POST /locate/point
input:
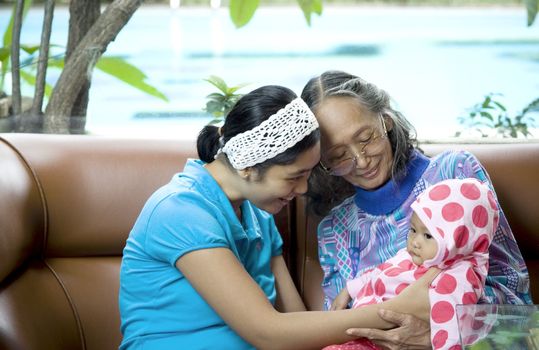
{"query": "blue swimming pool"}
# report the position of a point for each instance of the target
(435, 62)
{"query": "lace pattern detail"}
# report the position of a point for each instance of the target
(273, 136)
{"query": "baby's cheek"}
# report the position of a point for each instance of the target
(409, 245)
(433, 250)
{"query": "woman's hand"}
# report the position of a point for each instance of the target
(414, 299)
(411, 333)
(341, 301)
(410, 310)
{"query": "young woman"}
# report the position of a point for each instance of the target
(369, 174)
(202, 267)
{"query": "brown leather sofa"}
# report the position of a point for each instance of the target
(67, 204)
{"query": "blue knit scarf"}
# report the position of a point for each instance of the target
(391, 195)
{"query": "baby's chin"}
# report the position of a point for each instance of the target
(417, 260)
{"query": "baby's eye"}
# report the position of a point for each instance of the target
(428, 236)
(411, 230)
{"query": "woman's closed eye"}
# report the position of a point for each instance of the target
(295, 178)
(299, 176)
(338, 157)
(365, 139)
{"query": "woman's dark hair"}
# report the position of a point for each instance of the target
(326, 191)
(251, 110)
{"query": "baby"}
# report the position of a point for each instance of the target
(451, 228)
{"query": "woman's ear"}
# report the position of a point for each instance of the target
(388, 122)
(244, 173)
(248, 173)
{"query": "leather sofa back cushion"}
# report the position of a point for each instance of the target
(22, 223)
(95, 187)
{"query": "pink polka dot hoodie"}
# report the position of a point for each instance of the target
(462, 215)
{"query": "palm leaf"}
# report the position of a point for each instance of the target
(31, 79)
(241, 11)
(532, 6)
(218, 82)
(129, 74)
(8, 34)
(309, 7)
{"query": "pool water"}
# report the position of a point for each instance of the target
(434, 62)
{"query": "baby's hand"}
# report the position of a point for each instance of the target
(341, 301)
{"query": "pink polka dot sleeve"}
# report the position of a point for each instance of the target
(355, 285)
(457, 285)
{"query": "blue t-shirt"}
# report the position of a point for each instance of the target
(158, 306)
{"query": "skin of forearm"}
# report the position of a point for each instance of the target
(311, 330)
(219, 278)
(417, 305)
(289, 306)
(314, 329)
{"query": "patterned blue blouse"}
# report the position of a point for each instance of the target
(371, 226)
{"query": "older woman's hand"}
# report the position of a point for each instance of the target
(413, 327)
(411, 333)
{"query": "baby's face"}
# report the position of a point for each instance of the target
(421, 245)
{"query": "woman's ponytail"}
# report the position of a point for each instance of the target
(208, 143)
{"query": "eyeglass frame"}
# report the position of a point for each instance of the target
(354, 159)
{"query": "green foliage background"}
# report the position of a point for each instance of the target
(337, 2)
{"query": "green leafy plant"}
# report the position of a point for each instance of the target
(115, 66)
(5, 50)
(532, 7)
(220, 103)
(490, 118)
(241, 11)
(511, 331)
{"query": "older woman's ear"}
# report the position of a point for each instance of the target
(388, 122)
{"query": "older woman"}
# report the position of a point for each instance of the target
(371, 170)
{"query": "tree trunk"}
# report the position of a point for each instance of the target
(82, 16)
(15, 60)
(78, 68)
(31, 120)
(43, 59)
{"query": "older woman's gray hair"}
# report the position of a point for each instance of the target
(326, 191)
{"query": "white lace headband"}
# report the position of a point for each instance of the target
(272, 137)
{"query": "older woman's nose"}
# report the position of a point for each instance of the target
(361, 161)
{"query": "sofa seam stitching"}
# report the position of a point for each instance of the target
(71, 304)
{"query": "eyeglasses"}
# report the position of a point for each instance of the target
(344, 162)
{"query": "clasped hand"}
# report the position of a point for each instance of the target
(409, 311)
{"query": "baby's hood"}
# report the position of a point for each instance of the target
(462, 215)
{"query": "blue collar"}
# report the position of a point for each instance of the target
(391, 195)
